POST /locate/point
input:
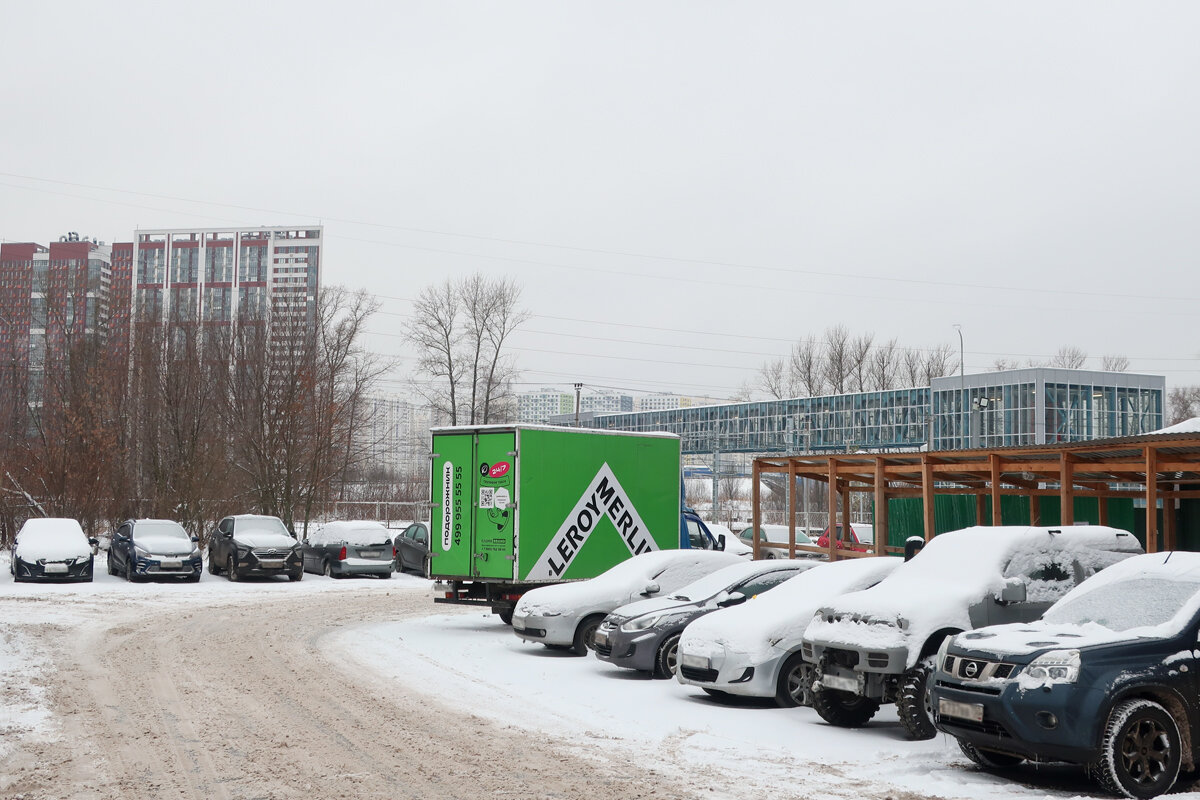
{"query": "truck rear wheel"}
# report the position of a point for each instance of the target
(844, 709)
(914, 703)
(584, 634)
(506, 616)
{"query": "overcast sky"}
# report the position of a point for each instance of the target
(682, 188)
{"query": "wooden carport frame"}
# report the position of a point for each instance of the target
(1154, 467)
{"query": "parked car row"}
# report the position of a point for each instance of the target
(1039, 644)
(239, 547)
(857, 538)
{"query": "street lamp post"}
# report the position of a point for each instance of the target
(962, 394)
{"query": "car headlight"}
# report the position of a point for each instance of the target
(647, 621)
(195, 553)
(83, 559)
(941, 653)
(1056, 666)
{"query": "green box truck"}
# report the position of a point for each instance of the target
(514, 507)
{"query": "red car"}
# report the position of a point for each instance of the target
(861, 535)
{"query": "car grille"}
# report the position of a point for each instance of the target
(696, 674)
(603, 649)
(977, 669)
(271, 553)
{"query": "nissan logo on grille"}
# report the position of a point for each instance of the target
(970, 669)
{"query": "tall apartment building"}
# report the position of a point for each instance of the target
(541, 406)
(49, 296)
(221, 274)
(397, 437)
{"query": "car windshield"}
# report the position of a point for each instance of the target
(160, 530)
(1157, 601)
(261, 524)
(706, 587)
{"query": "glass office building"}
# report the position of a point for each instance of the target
(1015, 407)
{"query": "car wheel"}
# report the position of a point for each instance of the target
(585, 633)
(1140, 752)
(231, 569)
(297, 575)
(988, 759)
(668, 657)
(213, 567)
(111, 569)
(770, 556)
(794, 687)
(327, 569)
(914, 702)
(506, 616)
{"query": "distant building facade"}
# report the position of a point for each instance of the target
(540, 406)
(397, 438)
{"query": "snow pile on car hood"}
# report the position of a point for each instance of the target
(52, 539)
(359, 533)
(1165, 588)
(162, 537)
(954, 571)
(615, 587)
(779, 617)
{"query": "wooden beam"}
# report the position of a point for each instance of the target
(1102, 502)
(845, 521)
(927, 495)
(881, 510)
(1168, 523)
(1066, 489)
(994, 463)
(1035, 510)
(980, 508)
(792, 510)
(1151, 468)
(833, 498)
(755, 511)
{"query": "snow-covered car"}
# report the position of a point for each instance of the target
(566, 615)
(644, 635)
(878, 645)
(154, 548)
(778, 535)
(753, 650)
(254, 545)
(355, 547)
(732, 543)
(52, 549)
(1106, 679)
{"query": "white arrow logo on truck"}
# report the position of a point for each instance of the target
(603, 498)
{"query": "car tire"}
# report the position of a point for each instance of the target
(584, 634)
(111, 569)
(298, 575)
(794, 686)
(506, 615)
(914, 703)
(213, 567)
(327, 569)
(666, 661)
(1140, 753)
(988, 759)
(231, 569)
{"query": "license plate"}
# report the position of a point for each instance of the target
(170, 563)
(56, 569)
(699, 662)
(952, 708)
(839, 683)
(600, 638)
(271, 564)
(369, 553)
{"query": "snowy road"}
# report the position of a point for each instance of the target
(366, 689)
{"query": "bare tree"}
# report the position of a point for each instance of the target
(1005, 364)
(938, 362)
(912, 367)
(1069, 357)
(1183, 403)
(806, 367)
(882, 366)
(838, 360)
(773, 378)
(1112, 363)
(460, 330)
(860, 358)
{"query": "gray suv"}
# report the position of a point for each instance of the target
(250, 545)
(878, 645)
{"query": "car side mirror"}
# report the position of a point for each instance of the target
(195, 539)
(93, 541)
(721, 542)
(731, 599)
(227, 534)
(651, 588)
(1013, 592)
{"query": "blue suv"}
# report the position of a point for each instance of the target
(1109, 679)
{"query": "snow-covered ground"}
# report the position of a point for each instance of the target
(469, 660)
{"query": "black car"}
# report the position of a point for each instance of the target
(154, 548)
(52, 549)
(1109, 678)
(249, 545)
(644, 635)
(412, 548)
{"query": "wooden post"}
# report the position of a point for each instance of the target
(994, 463)
(833, 498)
(927, 495)
(846, 513)
(980, 508)
(791, 508)
(1035, 507)
(1066, 489)
(881, 509)
(1151, 456)
(1102, 502)
(755, 514)
(1169, 522)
